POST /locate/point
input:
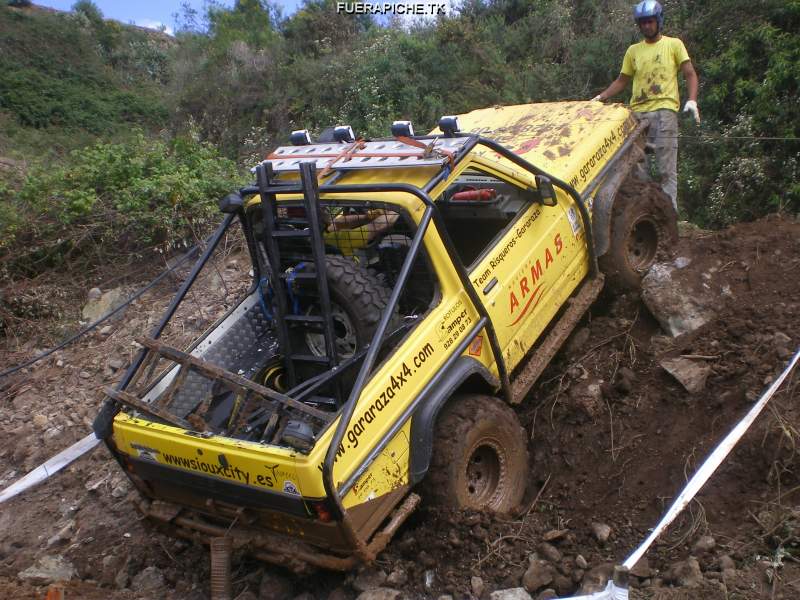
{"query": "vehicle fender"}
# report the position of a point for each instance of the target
(606, 192)
(423, 420)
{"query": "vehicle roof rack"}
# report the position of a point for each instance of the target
(393, 153)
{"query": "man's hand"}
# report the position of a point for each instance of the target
(597, 98)
(691, 107)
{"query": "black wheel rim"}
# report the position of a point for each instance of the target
(485, 470)
(642, 244)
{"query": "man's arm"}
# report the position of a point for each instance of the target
(618, 85)
(690, 76)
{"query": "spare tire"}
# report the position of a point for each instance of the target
(644, 229)
(358, 300)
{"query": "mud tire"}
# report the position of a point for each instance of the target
(358, 300)
(480, 456)
(644, 229)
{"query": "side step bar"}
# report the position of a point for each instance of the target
(544, 353)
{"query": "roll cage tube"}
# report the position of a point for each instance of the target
(103, 421)
(518, 160)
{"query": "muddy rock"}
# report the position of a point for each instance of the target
(704, 544)
(691, 374)
(510, 594)
(563, 585)
(587, 398)
(549, 552)
(368, 579)
(478, 587)
(677, 309)
(63, 535)
(108, 301)
(382, 593)
(685, 573)
(601, 532)
(547, 594)
(555, 534)
(596, 579)
(581, 563)
(538, 575)
(397, 578)
(47, 570)
(642, 569)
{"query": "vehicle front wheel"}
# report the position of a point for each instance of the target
(644, 228)
(480, 457)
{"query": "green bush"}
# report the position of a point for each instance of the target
(110, 199)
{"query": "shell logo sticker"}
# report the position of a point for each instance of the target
(476, 346)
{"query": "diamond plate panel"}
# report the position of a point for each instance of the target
(244, 348)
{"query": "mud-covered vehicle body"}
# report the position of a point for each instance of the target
(406, 292)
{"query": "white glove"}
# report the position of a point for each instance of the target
(597, 98)
(691, 107)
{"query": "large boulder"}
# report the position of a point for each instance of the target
(670, 296)
(47, 570)
(96, 307)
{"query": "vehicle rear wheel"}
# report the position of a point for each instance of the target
(644, 228)
(480, 456)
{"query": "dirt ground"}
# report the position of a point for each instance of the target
(613, 438)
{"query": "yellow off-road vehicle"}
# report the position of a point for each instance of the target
(406, 293)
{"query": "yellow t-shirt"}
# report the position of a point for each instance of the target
(654, 69)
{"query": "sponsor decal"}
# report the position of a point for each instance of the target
(526, 294)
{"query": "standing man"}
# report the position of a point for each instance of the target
(653, 64)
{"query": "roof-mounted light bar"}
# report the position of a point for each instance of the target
(300, 137)
(449, 125)
(344, 133)
(402, 128)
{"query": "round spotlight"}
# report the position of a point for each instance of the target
(402, 128)
(344, 133)
(449, 125)
(300, 137)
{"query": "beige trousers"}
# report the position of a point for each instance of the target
(663, 135)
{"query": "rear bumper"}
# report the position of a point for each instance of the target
(269, 546)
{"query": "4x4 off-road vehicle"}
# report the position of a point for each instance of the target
(406, 293)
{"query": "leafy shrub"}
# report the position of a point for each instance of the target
(111, 199)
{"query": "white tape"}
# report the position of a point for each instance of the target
(710, 465)
(51, 467)
(612, 592)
